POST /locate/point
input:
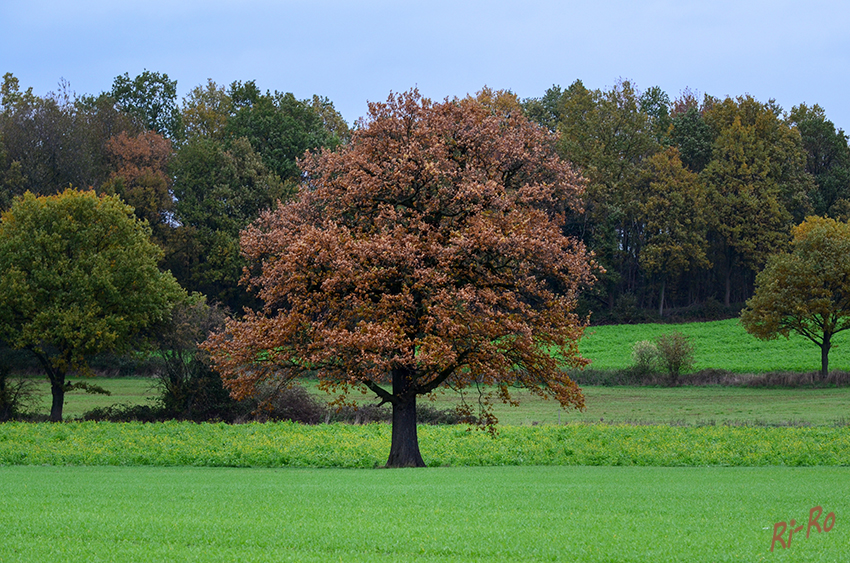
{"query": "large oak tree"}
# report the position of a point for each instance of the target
(427, 252)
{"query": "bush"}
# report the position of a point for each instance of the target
(676, 354)
(362, 414)
(191, 390)
(793, 379)
(672, 353)
(714, 376)
(126, 413)
(606, 377)
(17, 395)
(365, 414)
(646, 358)
(297, 404)
(291, 403)
(427, 414)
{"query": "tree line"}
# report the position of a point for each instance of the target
(684, 197)
(197, 170)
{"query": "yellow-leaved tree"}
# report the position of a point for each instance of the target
(805, 290)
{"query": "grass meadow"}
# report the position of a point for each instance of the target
(718, 344)
(703, 405)
(522, 514)
(644, 474)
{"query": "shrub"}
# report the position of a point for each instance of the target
(427, 414)
(646, 357)
(676, 354)
(611, 377)
(289, 403)
(714, 376)
(189, 388)
(126, 413)
(365, 414)
(793, 379)
(17, 395)
(193, 391)
(362, 414)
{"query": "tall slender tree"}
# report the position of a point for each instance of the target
(757, 183)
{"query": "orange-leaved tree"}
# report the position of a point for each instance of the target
(427, 252)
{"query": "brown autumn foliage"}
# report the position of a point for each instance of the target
(140, 174)
(427, 252)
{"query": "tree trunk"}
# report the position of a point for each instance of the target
(57, 385)
(57, 388)
(6, 400)
(731, 263)
(404, 449)
(661, 299)
(824, 356)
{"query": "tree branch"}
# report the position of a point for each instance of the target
(383, 394)
(443, 375)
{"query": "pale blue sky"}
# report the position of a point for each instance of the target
(351, 52)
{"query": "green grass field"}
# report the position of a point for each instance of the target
(683, 405)
(522, 514)
(719, 344)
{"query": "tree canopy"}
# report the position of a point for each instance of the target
(758, 169)
(427, 252)
(219, 191)
(55, 141)
(806, 290)
(151, 98)
(280, 127)
(827, 160)
(78, 276)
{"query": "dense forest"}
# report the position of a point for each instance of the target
(685, 197)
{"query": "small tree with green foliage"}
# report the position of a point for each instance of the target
(189, 388)
(78, 276)
(806, 290)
